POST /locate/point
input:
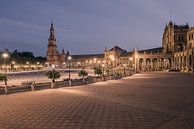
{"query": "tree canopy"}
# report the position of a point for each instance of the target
(98, 71)
(2, 77)
(53, 74)
(82, 74)
(22, 57)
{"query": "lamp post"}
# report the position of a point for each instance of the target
(131, 63)
(64, 64)
(37, 65)
(27, 63)
(124, 69)
(136, 59)
(5, 56)
(112, 62)
(53, 78)
(86, 63)
(12, 65)
(103, 72)
(69, 60)
(95, 62)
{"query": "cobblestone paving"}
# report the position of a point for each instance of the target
(142, 101)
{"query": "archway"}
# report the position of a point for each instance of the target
(154, 64)
(190, 62)
(148, 64)
(141, 66)
(169, 63)
(184, 63)
(161, 64)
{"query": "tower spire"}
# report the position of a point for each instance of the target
(52, 31)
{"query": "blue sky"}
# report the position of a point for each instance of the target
(87, 26)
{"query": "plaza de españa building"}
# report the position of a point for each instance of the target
(175, 53)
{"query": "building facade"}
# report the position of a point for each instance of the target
(176, 53)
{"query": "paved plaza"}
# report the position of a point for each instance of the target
(143, 101)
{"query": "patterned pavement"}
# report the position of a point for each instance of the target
(142, 101)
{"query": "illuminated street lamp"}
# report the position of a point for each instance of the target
(5, 56)
(53, 78)
(78, 64)
(124, 69)
(131, 63)
(99, 63)
(12, 65)
(69, 60)
(94, 60)
(103, 72)
(27, 63)
(136, 59)
(112, 58)
(37, 63)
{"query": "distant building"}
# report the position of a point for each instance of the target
(177, 52)
(53, 56)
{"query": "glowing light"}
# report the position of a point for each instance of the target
(5, 55)
(53, 66)
(69, 57)
(112, 57)
(131, 58)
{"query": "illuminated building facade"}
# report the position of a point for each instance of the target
(177, 53)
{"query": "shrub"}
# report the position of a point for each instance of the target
(2, 77)
(98, 71)
(53, 74)
(82, 74)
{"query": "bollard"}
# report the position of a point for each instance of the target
(6, 89)
(32, 86)
(69, 82)
(52, 84)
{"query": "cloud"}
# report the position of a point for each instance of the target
(13, 22)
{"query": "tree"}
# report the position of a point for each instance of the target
(108, 72)
(82, 74)
(98, 71)
(2, 77)
(53, 74)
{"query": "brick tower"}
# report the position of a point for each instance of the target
(52, 52)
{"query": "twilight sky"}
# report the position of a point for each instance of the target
(87, 26)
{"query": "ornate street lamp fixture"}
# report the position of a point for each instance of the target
(103, 72)
(69, 60)
(124, 69)
(5, 56)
